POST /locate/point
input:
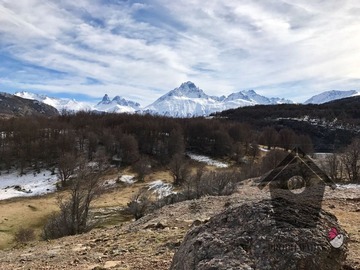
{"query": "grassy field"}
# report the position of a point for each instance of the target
(32, 212)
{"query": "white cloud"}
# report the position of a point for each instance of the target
(286, 48)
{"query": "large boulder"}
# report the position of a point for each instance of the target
(247, 237)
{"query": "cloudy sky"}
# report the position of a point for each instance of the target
(143, 49)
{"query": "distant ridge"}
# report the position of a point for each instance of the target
(328, 96)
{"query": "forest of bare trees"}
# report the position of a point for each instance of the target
(141, 140)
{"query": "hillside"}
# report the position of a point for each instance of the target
(330, 125)
(151, 242)
(11, 105)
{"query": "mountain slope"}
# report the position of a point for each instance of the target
(330, 96)
(58, 103)
(331, 125)
(189, 100)
(11, 105)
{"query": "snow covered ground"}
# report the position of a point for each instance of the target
(12, 185)
(208, 160)
(128, 179)
(348, 186)
(161, 189)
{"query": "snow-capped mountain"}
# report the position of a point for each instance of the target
(58, 103)
(188, 100)
(330, 96)
(117, 105)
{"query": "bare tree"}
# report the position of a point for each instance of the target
(129, 149)
(176, 143)
(269, 137)
(253, 151)
(333, 167)
(305, 143)
(272, 159)
(351, 161)
(287, 138)
(73, 217)
(66, 167)
(142, 167)
(179, 169)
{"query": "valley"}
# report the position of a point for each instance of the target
(146, 180)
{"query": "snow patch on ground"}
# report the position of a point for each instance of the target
(161, 189)
(208, 160)
(348, 186)
(12, 185)
(128, 179)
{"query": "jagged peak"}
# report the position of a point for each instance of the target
(187, 89)
(105, 99)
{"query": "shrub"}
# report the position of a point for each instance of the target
(139, 204)
(24, 235)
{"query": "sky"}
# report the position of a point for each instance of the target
(142, 49)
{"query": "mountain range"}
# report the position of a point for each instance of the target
(187, 100)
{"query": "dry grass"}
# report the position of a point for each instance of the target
(348, 216)
(32, 212)
(23, 213)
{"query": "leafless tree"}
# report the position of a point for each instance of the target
(66, 167)
(73, 217)
(142, 167)
(269, 137)
(351, 161)
(287, 138)
(272, 159)
(179, 169)
(333, 167)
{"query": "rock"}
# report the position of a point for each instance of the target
(111, 264)
(247, 237)
(158, 226)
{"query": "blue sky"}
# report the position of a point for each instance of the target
(142, 49)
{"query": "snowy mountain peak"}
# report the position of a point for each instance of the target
(58, 103)
(28, 95)
(117, 105)
(123, 102)
(238, 95)
(189, 90)
(105, 99)
(330, 96)
(249, 92)
(189, 100)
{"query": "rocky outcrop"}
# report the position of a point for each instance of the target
(247, 237)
